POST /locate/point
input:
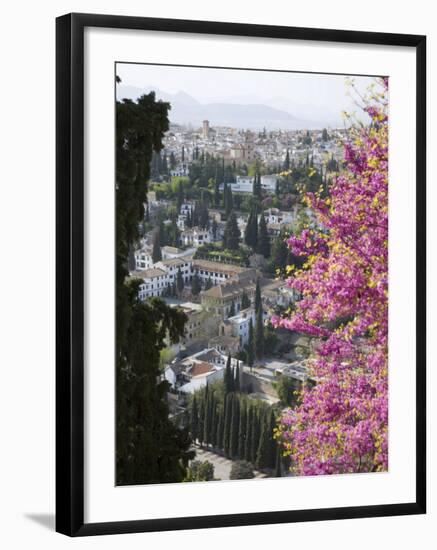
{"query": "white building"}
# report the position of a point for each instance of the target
(182, 170)
(217, 272)
(181, 221)
(195, 237)
(157, 279)
(244, 184)
(154, 282)
(239, 324)
(276, 216)
(143, 258)
(194, 373)
(198, 382)
(173, 265)
(268, 182)
(187, 207)
(162, 274)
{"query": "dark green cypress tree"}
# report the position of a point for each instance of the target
(277, 189)
(131, 259)
(263, 243)
(261, 460)
(172, 161)
(180, 197)
(227, 377)
(231, 238)
(214, 405)
(255, 435)
(216, 193)
(280, 252)
(257, 303)
(256, 190)
(194, 419)
(156, 250)
(249, 432)
(254, 228)
(195, 215)
(225, 196)
(242, 428)
(259, 334)
(201, 425)
(272, 445)
(278, 463)
(195, 284)
(220, 425)
(250, 347)
(229, 201)
(235, 424)
(247, 230)
(286, 165)
(207, 420)
(227, 424)
(189, 219)
(214, 228)
(179, 281)
(204, 221)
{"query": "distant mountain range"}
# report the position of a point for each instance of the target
(187, 110)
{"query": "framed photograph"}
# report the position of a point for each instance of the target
(240, 274)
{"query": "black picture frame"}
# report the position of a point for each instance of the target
(70, 273)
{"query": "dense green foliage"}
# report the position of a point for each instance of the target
(149, 447)
(287, 391)
(242, 469)
(200, 471)
(216, 253)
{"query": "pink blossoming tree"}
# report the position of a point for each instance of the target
(340, 424)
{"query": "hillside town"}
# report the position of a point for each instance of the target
(220, 207)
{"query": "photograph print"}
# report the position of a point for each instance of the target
(251, 274)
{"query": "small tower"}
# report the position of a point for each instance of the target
(205, 129)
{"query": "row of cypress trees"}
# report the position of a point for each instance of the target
(240, 427)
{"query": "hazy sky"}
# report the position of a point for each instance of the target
(304, 95)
